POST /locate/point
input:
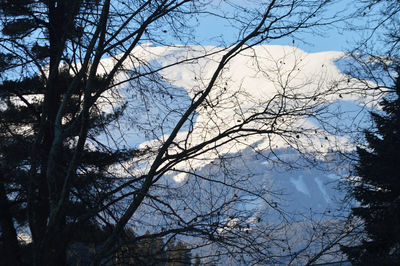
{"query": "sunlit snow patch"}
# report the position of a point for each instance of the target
(300, 185)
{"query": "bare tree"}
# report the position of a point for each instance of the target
(90, 55)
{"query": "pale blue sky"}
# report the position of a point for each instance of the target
(334, 37)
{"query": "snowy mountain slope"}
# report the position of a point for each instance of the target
(306, 96)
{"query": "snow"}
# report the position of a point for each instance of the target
(251, 81)
(322, 188)
(300, 185)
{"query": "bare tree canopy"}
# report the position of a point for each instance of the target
(78, 76)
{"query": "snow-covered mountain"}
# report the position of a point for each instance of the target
(304, 97)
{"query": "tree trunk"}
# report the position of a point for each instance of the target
(11, 252)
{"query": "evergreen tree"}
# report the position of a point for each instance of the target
(149, 251)
(178, 254)
(378, 188)
(197, 261)
(152, 251)
(87, 185)
(29, 105)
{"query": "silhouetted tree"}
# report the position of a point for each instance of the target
(18, 123)
(178, 254)
(377, 187)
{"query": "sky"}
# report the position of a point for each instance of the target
(334, 38)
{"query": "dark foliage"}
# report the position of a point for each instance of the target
(378, 189)
(18, 124)
(148, 250)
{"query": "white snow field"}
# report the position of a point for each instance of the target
(303, 97)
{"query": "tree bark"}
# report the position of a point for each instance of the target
(11, 252)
